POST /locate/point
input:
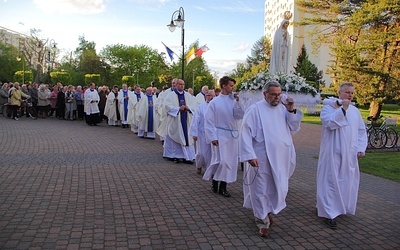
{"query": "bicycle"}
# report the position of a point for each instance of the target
(24, 107)
(377, 138)
(391, 134)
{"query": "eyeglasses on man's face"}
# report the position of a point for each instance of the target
(275, 95)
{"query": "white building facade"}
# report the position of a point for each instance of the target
(273, 15)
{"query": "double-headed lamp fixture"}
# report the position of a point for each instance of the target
(179, 21)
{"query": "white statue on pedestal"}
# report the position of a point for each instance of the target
(280, 47)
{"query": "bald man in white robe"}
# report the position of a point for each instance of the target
(178, 105)
(343, 141)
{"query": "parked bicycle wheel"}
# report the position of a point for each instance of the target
(377, 138)
(32, 113)
(7, 110)
(392, 138)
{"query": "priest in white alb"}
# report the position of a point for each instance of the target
(123, 100)
(201, 97)
(178, 105)
(267, 149)
(112, 108)
(136, 96)
(343, 142)
(162, 125)
(203, 149)
(146, 115)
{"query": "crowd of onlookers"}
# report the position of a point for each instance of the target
(62, 102)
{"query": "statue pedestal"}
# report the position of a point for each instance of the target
(305, 102)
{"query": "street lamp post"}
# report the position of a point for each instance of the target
(180, 23)
(23, 68)
(52, 50)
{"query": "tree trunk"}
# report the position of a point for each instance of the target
(375, 109)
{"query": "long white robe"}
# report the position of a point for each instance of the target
(162, 128)
(121, 105)
(92, 99)
(203, 149)
(110, 109)
(221, 123)
(200, 99)
(132, 106)
(142, 113)
(338, 174)
(175, 143)
(266, 136)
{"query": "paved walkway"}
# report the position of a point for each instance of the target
(65, 185)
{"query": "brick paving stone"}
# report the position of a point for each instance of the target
(65, 185)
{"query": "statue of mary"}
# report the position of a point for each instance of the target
(280, 47)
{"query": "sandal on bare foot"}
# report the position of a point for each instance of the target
(264, 232)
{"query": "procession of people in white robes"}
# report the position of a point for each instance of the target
(260, 137)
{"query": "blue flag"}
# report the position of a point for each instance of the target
(169, 51)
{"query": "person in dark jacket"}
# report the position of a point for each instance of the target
(60, 105)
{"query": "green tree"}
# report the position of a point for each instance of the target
(23, 76)
(307, 69)
(88, 62)
(8, 62)
(256, 63)
(89, 78)
(141, 62)
(365, 44)
(260, 52)
(62, 77)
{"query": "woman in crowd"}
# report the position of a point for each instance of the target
(42, 101)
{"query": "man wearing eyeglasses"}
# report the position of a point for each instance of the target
(267, 149)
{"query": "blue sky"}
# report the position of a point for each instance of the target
(229, 27)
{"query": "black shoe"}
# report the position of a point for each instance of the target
(215, 190)
(187, 162)
(224, 193)
(331, 223)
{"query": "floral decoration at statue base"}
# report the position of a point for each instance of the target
(305, 96)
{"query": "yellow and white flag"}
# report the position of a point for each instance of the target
(190, 56)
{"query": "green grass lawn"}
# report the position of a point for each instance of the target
(383, 164)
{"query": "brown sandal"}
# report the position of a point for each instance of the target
(264, 232)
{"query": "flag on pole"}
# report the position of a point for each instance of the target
(169, 51)
(201, 50)
(190, 55)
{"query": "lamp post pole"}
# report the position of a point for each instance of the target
(52, 50)
(23, 70)
(180, 23)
